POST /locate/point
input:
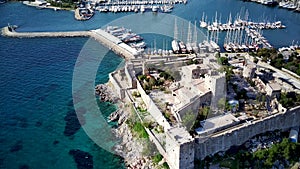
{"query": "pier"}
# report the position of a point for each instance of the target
(99, 35)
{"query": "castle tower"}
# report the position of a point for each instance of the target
(180, 148)
(216, 83)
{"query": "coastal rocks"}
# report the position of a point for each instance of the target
(114, 116)
(105, 93)
(131, 149)
(120, 115)
(122, 118)
(83, 159)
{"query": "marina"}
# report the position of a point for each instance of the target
(241, 22)
(243, 35)
(135, 8)
(85, 10)
(120, 40)
(293, 5)
(164, 6)
(236, 41)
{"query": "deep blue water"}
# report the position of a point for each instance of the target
(36, 78)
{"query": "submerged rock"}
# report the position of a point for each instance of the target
(80, 114)
(38, 124)
(83, 159)
(24, 166)
(55, 142)
(17, 146)
(72, 123)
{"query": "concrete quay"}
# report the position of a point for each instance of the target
(99, 35)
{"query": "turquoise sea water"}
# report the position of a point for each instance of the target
(36, 79)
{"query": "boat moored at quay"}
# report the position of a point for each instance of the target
(238, 24)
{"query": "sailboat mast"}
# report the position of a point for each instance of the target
(195, 34)
(175, 30)
(189, 36)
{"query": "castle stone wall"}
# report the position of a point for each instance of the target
(222, 141)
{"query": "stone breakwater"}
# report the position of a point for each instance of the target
(99, 35)
(6, 31)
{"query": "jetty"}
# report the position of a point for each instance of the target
(106, 39)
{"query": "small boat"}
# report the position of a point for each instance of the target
(155, 8)
(138, 45)
(175, 46)
(166, 8)
(291, 7)
(182, 47)
(203, 24)
(189, 48)
(142, 9)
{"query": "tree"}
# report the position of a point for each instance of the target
(229, 72)
(189, 119)
(223, 60)
(152, 82)
(285, 100)
(221, 103)
(255, 60)
(203, 113)
(142, 77)
(146, 86)
(242, 94)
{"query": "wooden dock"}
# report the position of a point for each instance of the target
(99, 35)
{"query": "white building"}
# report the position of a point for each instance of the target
(249, 70)
(273, 90)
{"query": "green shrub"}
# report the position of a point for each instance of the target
(157, 158)
(165, 165)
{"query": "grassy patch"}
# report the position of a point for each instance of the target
(140, 131)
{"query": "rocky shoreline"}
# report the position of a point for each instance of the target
(130, 147)
(105, 93)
